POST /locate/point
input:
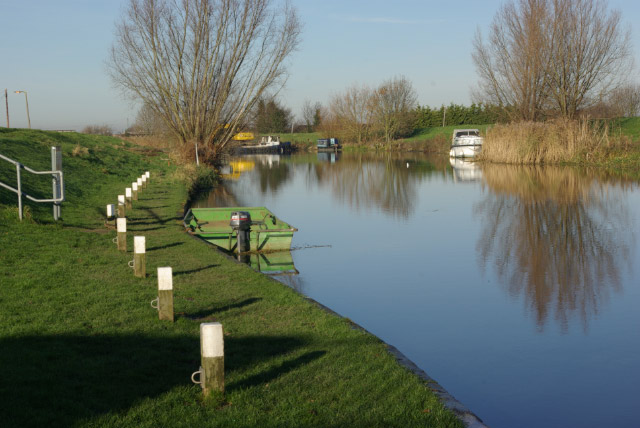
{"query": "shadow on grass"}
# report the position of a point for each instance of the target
(162, 247)
(146, 229)
(159, 219)
(269, 375)
(56, 380)
(205, 313)
(185, 272)
(59, 380)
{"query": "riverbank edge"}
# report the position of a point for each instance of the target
(462, 412)
(470, 419)
(80, 307)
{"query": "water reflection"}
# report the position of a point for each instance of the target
(556, 237)
(272, 173)
(331, 157)
(365, 181)
(465, 170)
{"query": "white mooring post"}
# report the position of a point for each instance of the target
(211, 358)
(122, 234)
(165, 294)
(121, 202)
(139, 257)
(127, 194)
(111, 212)
(134, 191)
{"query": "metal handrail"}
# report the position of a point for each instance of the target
(20, 193)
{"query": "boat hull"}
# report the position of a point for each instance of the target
(465, 151)
(268, 233)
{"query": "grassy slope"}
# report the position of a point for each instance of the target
(629, 126)
(82, 347)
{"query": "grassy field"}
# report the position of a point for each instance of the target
(81, 346)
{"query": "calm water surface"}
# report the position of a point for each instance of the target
(516, 288)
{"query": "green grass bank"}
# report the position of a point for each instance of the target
(81, 346)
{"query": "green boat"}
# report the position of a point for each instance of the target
(268, 233)
(273, 263)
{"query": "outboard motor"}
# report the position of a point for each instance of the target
(241, 223)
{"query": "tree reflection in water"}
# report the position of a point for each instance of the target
(365, 181)
(555, 236)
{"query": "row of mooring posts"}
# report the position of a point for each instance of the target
(210, 375)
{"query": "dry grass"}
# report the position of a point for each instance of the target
(80, 151)
(549, 142)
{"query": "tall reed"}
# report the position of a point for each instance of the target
(554, 141)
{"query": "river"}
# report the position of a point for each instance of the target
(516, 288)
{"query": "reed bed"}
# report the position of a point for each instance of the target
(556, 141)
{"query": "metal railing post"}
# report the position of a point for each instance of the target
(58, 182)
(19, 192)
(56, 165)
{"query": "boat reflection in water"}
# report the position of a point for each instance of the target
(558, 237)
(273, 263)
(465, 170)
(331, 157)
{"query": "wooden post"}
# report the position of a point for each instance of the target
(212, 357)
(134, 191)
(127, 194)
(122, 234)
(121, 202)
(144, 180)
(139, 257)
(148, 174)
(139, 181)
(165, 293)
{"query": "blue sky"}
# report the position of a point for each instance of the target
(56, 51)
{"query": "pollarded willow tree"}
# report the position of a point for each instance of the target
(552, 56)
(203, 64)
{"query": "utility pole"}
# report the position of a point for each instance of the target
(26, 99)
(444, 116)
(6, 101)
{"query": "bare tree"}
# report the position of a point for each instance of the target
(148, 122)
(512, 65)
(557, 55)
(311, 114)
(590, 54)
(202, 64)
(392, 105)
(625, 101)
(98, 130)
(352, 113)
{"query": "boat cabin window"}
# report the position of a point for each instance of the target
(466, 133)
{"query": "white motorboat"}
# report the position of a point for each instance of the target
(466, 143)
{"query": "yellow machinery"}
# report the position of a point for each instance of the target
(243, 136)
